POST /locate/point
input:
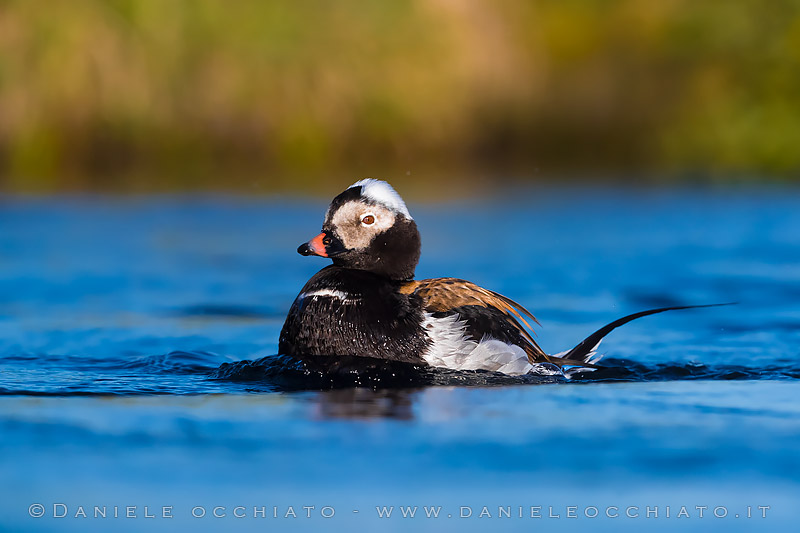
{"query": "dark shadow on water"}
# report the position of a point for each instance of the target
(625, 370)
(288, 373)
(322, 373)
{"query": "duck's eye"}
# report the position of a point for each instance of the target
(368, 219)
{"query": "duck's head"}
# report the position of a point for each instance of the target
(368, 227)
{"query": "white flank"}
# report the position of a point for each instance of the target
(382, 193)
(330, 293)
(451, 348)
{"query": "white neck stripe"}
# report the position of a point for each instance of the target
(325, 292)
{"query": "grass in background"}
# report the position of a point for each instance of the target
(148, 94)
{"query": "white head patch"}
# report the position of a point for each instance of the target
(382, 193)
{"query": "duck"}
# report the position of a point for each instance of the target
(367, 306)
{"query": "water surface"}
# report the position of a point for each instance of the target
(117, 314)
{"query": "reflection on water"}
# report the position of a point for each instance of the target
(364, 403)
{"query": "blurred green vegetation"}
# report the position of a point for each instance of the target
(155, 94)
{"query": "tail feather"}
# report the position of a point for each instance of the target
(584, 354)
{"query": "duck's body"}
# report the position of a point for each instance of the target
(349, 312)
(443, 322)
(367, 305)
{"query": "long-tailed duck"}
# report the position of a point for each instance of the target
(367, 304)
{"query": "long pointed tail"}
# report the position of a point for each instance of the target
(582, 353)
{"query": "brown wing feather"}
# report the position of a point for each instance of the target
(444, 294)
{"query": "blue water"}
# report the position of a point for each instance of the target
(124, 321)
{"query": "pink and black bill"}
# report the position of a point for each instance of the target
(323, 245)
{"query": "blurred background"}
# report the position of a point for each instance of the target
(147, 95)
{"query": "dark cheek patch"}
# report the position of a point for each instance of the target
(351, 236)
